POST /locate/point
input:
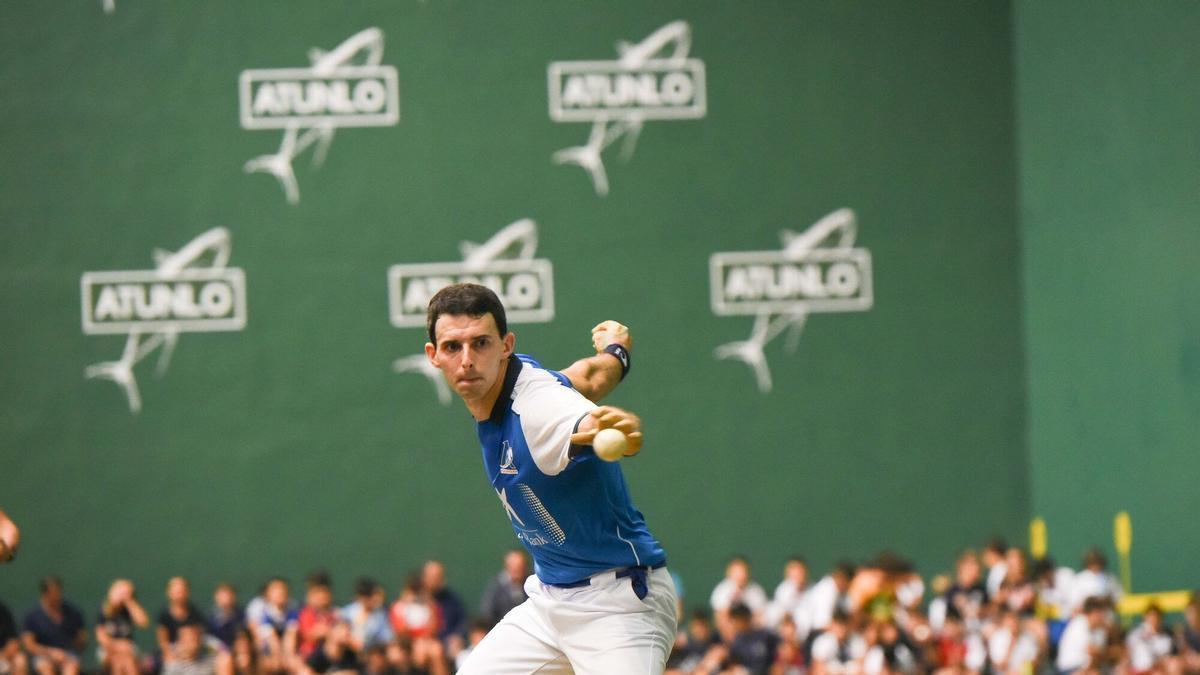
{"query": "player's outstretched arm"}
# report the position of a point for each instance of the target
(609, 417)
(596, 376)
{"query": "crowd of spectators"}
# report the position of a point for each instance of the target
(994, 614)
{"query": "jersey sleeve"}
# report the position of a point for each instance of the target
(549, 412)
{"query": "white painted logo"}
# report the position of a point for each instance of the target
(182, 294)
(345, 87)
(813, 272)
(504, 263)
(645, 82)
(507, 464)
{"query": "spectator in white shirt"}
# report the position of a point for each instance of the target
(825, 598)
(1054, 586)
(1150, 646)
(838, 651)
(1094, 581)
(1082, 646)
(789, 595)
(993, 560)
(1012, 649)
(737, 587)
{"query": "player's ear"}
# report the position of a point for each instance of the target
(510, 341)
(431, 353)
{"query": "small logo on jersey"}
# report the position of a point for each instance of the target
(531, 537)
(813, 272)
(506, 459)
(182, 294)
(645, 82)
(344, 87)
(504, 263)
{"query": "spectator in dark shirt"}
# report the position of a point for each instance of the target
(968, 596)
(751, 648)
(179, 612)
(334, 653)
(12, 658)
(507, 590)
(694, 645)
(453, 627)
(227, 618)
(1188, 635)
(119, 614)
(55, 631)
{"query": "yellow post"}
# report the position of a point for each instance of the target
(1123, 540)
(1037, 538)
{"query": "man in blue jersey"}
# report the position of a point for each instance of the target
(601, 600)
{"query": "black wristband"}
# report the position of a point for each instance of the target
(622, 355)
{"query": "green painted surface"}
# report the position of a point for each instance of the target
(292, 444)
(1109, 120)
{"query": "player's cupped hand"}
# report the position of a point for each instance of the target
(609, 332)
(610, 417)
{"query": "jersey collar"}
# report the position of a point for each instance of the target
(510, 381)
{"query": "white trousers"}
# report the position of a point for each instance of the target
(599, 629)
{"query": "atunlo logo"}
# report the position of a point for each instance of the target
(504, 263)
(815, 271)
(182, 294)
(344, 87)
(644, 83)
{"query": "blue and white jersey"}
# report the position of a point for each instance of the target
(570, 509)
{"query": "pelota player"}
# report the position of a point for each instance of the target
(601, 600)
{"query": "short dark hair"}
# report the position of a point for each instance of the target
(465, 299)
(47, 581)
(1093, 556)
(364, 587)
(319, 578)
(739, 611)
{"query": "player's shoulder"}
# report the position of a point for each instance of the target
(534, 376)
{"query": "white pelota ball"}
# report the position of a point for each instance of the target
(610, 444)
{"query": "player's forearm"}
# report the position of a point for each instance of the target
(595, 376)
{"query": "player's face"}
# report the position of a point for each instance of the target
(470, 352)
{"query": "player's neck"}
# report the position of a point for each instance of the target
(481, 408)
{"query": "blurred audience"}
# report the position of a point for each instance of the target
(275, 622)
(507, 589)
(737, 588)
(789, 594)
(368, 621)
(227, 618)
(12, 659)
(54, 631)
(178, 613)
(872, 619)
(120, 614)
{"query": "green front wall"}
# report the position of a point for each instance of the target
(1109, 119)
(292, 444)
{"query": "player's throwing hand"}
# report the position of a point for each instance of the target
(610, 417)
